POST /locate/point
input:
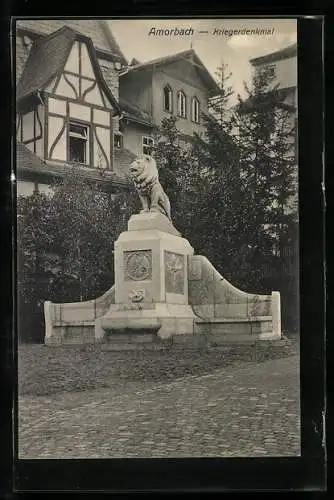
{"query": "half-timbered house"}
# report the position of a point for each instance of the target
(67, 104)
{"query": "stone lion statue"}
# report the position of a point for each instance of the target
(144, 173)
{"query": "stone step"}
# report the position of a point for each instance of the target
(249, 319)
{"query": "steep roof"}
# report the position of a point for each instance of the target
(286, 53)
(47, 58)
(99, 32)
(133, 112)
(161, 60)
(187, 55)
(26, 159)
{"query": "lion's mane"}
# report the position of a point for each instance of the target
(144, 173)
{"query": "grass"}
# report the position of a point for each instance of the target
(44, 370)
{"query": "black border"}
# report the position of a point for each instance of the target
(7, 370)
(301, 473)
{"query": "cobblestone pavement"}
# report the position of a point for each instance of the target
(249, 410)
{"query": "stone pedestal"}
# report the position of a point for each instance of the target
(151, 281)
(163, 291)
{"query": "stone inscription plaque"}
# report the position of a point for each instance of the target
(138, 265)
(174, 272)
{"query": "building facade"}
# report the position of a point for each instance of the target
(178, 85)
(79, 101)
(283, 66)
(68, 108)
(136, 128)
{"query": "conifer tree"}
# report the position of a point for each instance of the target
(219, 104)
(250, 199)
(177, 167)
(268, 194)
(267, 158)
(218, 159)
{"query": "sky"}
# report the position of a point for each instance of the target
(235, 51)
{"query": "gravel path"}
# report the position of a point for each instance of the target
(247, 410)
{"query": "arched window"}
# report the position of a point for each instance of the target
(168, 98)
(195, 110)
(181, 104)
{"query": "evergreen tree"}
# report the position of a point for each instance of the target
(268, 193)
(219, 104)
(218, 158)
(197, 175)
(267, 161)
(177, 171)
(248, 202)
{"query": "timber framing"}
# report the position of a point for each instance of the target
(29, 167)
(90, 123)
(32, 81)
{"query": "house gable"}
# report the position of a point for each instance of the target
(65, 51)
(63, 78)
(189, 86)
(188, 61)
(186, 73)
(79, 80)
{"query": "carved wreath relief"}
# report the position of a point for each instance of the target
(138, 265)
(174, 272)
(137, 295)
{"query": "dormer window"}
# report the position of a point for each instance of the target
(78, 143)
(195, 110)
(168, 99)
(181, 104)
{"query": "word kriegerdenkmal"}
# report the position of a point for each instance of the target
(244, 31)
